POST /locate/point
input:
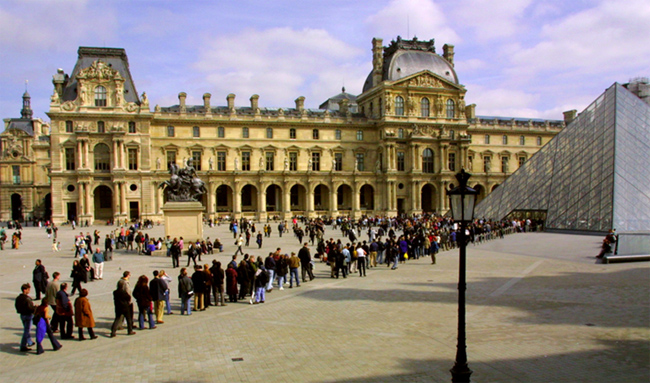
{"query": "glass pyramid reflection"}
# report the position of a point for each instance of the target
(592, 176)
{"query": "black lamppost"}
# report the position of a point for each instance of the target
(462, 200)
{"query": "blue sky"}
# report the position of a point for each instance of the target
(517, 58)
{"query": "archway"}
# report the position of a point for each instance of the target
(249, 198)
(321, 197)
(495, 187)
(298, 197)
(16, 207)
(480, 192)
(224, 199)
(103, 203)
(367, 197)
(344, 197)
(428, 198)
(47, 207)
(273, 198)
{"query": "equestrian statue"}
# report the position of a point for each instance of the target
(183, 185)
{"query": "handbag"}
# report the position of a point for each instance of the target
(190, 293)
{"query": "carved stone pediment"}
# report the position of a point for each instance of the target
(425, 131)
(99, 70)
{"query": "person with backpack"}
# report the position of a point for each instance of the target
(261, 280)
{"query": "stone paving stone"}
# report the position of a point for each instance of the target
(539, 309)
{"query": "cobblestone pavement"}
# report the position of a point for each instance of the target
(539, 309)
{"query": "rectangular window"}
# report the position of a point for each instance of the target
(70, 163)
(292, 133)
(133, 159)
(337, 134)
(196, 131)
(244, 132)
(100, 127)
(221, 161)
(505, 140)
(359, 135)
(360, 160)
(504, 164)
(171, 158)
(522, 140)
(314, 134)
(270, 161)
(522, 159)
(487, 139)
(16, 174)
(400, 162)
(315, 161)
(539, 141)
(196, 160)
(487, 163)
(131, 126)
(269, 133)
(245, 161)
(221, 132)
(171, 132)
(293, 161)
(338, 162)
(69, 128)
(452, 162)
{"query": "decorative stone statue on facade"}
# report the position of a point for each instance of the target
(184, 185)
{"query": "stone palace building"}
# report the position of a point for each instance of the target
(394, 148)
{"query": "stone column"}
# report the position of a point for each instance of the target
(211, 198)
(237, 199)
(81, 201)
(286, 205)
(89, 203)
(123, 206)
(356, 198)
(261, 205)
(115, 202)
(334, 209)
(115, 156)
(161, 199)
(79, 154)
(122, 150)
(86, 144)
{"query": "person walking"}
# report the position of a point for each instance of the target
(157, 288)
(185, 291)
(25, 308)
(50, 294)
(65, 312)
(269, 265)
(239, 243)
(83, 315)
(143, 298)
(361, 261)
(41, 319)
(305, 262)
(78, 275)
(123, 305)
(98, 260)
(39, 277)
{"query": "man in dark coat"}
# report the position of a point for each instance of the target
(157, 288)
(305, 262)
(39, 278)
(123, 305)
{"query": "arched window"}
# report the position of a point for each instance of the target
(424, 107)
(102, 158)
(100, 96)
(399, 106)
(244, 132)
(451, 108)
(196, 131)
(427, 161)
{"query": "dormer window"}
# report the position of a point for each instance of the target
(100, 96)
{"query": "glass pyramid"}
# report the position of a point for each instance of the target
(593, 176)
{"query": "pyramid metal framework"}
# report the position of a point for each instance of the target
(592, 176)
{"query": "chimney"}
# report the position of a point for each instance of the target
(231, 103)
(58, 79)
(448, 53)
(300, 103)
(569, 116)
(181, 100)
(206, 102)
(377, 60)
(255, 102)
(470, 111)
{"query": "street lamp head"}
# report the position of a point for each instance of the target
(462, 199)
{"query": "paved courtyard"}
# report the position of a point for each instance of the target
(539, 309)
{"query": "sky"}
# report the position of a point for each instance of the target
(516, 58)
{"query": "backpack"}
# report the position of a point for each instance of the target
(263, 277)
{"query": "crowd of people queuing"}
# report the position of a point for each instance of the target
(390, 242)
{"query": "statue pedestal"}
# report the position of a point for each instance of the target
(184, 219)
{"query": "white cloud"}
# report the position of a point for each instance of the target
(609, 37)
(279, 64)
(492, 19)
(421, 18)
(502, 102)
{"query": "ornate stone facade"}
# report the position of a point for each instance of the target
(397, 153)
